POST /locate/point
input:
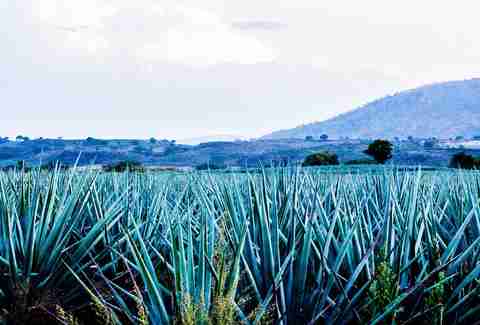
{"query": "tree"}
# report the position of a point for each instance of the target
(22, 138)
(380, 150)
(321, 159)
(94, 142)
(324, 137)
(464, 161)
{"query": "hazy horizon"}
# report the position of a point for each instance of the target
(182, 70)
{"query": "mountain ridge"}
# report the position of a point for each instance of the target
(443, 110)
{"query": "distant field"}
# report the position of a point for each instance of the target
(307, 246)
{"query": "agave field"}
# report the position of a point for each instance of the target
(283, 246)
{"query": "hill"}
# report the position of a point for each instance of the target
(442, 110)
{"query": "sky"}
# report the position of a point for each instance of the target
(180, 69)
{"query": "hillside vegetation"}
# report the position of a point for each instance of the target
(443, 110)
(238, 153)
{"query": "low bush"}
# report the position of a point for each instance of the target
(321, 159)
(209, 166)
(124, 166)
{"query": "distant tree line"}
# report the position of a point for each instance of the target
(210, 166)
(323, 137)
(379, 150)
(22, 165)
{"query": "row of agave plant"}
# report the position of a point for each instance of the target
(282, 246)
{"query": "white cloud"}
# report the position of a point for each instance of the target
(259, 24)
(205, 47)
(71, 59)
(149, 32)
(72, 13)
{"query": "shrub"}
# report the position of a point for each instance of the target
(321, 159)
(123, 166)
(383, 289)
